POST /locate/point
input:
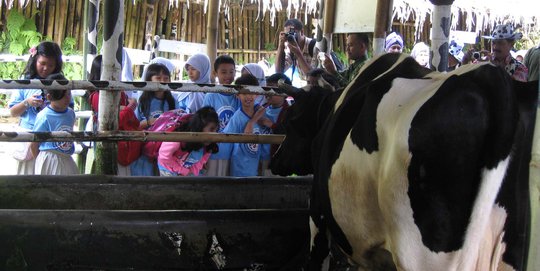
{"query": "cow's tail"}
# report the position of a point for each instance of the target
(483, 238)
(320, 246)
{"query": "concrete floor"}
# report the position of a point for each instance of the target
(7, 163)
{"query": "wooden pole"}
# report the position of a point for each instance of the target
(383, 23)
(212, 31)
(138, 136)
(113, 39)
(150, 4)
(143, 86)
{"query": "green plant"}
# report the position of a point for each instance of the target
(72, 71)
(269, 47)
(20, 34)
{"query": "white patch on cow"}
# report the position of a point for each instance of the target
(368, 192)
(482, 220)
(344, 94)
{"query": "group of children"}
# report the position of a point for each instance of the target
(210, 112)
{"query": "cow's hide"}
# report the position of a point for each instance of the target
(409, 167)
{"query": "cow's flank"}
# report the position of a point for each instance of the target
(415, 170)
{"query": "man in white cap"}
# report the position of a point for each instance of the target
(502, 39)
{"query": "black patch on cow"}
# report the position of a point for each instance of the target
(364, 133)
(357, 112)
(514, 193)
(465, 127)
(304, 119)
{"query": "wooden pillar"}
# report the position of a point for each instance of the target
(325, 26)
(212, 31)
(150, 4)
(113, 40)
(383, 23)
(440, 33)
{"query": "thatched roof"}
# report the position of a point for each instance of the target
(479, 14)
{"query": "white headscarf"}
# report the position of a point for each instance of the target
(161, 60)
(257, 71)
(201, 62)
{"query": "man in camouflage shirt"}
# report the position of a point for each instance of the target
(357, 47)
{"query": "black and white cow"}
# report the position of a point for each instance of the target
(416, 170)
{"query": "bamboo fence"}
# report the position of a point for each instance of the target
(245, 34)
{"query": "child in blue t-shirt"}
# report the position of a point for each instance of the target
(245, 157)
(225, 106)
(151, 105)
(271, 122)
(54, 158)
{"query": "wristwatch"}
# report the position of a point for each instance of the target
(26, 104)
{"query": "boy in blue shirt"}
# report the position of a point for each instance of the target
(245, 157)
(271, 122)
(225, 106)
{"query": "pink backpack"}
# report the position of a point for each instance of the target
(167, 122)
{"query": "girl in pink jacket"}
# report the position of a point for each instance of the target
(189, 158)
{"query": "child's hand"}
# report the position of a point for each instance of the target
(36, 100)
(261, 110)
(265, 122)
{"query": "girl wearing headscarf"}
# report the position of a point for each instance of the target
(161, 60)
(198, 69)
(257, 71)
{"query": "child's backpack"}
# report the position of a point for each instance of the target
(128, 151)
(167, 122)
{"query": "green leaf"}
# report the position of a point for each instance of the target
(15, 20)
(16, 48)
(29, 25)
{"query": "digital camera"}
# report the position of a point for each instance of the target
(291, 35)
(476, 55)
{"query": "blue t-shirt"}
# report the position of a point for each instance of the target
(244, 156)
(225, 106)
(157, 107)
(272, 114)
(28, 118)
(48, 120)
